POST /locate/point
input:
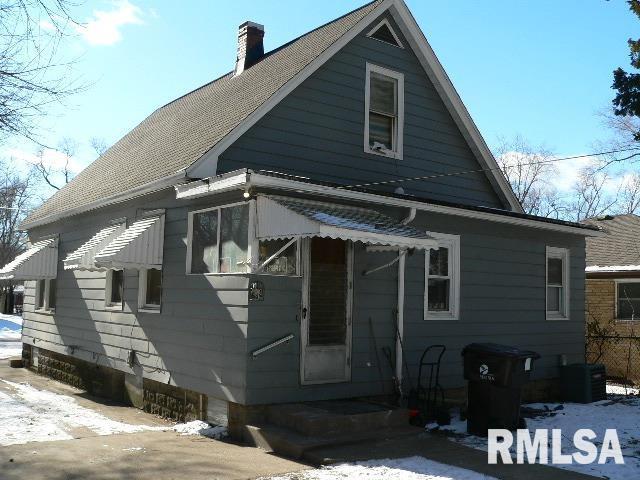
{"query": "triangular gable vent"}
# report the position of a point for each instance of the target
(384, 32)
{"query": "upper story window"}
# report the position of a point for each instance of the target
(442, 279)
(46, 295)
(627, 300)
(149, 289)
(557, 283)
(219, 240)
(384, 112)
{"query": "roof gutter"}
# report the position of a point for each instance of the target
(247, 180)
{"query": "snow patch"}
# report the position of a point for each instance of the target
(198, 427)
(31, 415)
(10, 349)
(410, 468)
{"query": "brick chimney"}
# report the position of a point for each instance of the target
(250, 46)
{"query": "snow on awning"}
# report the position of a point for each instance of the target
(285, 217)
(139, 246)
(84, 257)
(40, 261)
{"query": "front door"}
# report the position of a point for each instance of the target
(326, 311)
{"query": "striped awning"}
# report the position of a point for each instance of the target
(83, 258)
(139, 246)
(286, 217)
(39, 261)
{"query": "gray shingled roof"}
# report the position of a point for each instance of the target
(619, 246)
(177, 134)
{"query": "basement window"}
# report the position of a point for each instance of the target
(114, 291)
(218, 240)
(628, 300)
(149, 290)
(442, 278)
(557, 283)
(45, 296)
(384, 112)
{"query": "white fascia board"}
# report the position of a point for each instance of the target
(246, 181)
(612, 268)
(206, 165)
(145, 189)
(203, 188)
(451, 98)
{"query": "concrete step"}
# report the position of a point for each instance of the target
(334, 418)
(292, 444)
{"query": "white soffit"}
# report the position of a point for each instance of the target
(139, 246)
(83, 258)
(285, 217)
(40, 261)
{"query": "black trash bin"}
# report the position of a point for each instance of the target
(495, 375)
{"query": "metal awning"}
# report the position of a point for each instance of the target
(84, 257)
(285, 217)
(139, 246)
(40, 261)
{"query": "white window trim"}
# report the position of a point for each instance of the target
(143, 306)
(618, 281)
(398, 133)
(393, 33)
(251, 235)
(108, 305)
(562, 253)
(44, 308)
(452, 242)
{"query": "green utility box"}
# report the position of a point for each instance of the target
(583, 382)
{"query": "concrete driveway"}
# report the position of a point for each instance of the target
(152, 454)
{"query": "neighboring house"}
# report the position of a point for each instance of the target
(252, 242)
(613, 292)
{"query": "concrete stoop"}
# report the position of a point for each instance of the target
(296, 430)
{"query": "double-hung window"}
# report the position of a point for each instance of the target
(557, 265)
(442, 278)
(149, 290)
(384, 111)
(46, 295)
(627, 300)
(219, 240)
(114, 291)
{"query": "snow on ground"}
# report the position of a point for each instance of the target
(31, 415)
(411, 468)
(621, 412)
(7, 320)
(10, 327)
(198, 427)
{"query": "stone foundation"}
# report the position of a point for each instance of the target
(174, 403)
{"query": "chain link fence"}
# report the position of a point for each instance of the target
(620, 355)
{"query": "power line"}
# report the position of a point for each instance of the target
(481, 170)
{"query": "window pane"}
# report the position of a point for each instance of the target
(628, 309)
(628, 290)
(380, 131)
(554, 299)
(234, 238)
(285, 263)
(438, 295)
(383, 94)
(204, 245)
(439, 262)
(554, 267)
(154, 287)
(40, 290)
(52, 293)
(117, 277)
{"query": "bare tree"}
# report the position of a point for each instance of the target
(529, 170)
(99, 145)
(590, 196)
(629, 198)
(33, 73)
(56, 176)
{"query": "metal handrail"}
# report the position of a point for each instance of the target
(271, 345)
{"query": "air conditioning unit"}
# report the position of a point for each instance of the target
(583, 382)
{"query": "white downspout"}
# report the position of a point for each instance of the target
(400, 323)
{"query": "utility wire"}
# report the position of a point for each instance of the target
(481, 170)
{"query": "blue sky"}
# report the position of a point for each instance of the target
(541, 68)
